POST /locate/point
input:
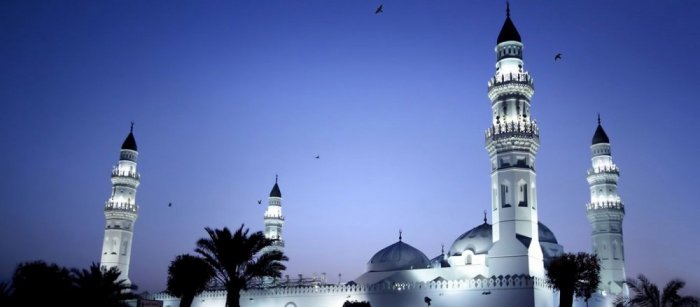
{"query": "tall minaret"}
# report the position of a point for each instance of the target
(121, 210)
(512, 143)
(605, 213)
(274, 219)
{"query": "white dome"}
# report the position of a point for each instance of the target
(398, 256)
(480, 239)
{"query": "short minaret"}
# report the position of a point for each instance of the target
(274, 219)
(121, 210)
(605, 213)
(512, 142)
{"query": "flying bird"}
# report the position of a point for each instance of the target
(557, 57)
(318, 156)
(427, 300)
(379, 10)
(170, 204)
(259, 201)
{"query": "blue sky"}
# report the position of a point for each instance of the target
(226, 94)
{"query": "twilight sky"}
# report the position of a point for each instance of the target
(226, 94)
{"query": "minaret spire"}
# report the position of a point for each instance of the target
(121, 210)
(598, 119)
(131, 130)
(400, 233)
(508, 9)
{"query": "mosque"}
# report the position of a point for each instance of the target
(499, 264)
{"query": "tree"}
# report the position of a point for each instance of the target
(356, 304)
(40, 284)
(5, 294)
(99, 286)
(574, 275)
(237, 259)
(647, 294)
(188, 276)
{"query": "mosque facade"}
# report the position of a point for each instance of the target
(498, 264)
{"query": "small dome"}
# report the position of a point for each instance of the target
(600, 136)
(478, 240)
(398, 256)
(130, 142)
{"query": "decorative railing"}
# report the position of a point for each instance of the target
(605, 205)
(495, 282)
(117, 173)
(523, 128)
(605, 169)
(112, 205)
(523, 78)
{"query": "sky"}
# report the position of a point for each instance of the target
(227, 94)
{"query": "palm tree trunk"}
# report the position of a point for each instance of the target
(186, 300)
(566, 298)
(233, 297)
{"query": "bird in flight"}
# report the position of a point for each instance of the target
(318, 156)
(557, 57)
(379, 10)
(170, 204)
(259, 201)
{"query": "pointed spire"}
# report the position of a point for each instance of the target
(600, 136)
(400, 233)
(485, 220)
(442, 248)
(276, 189)
(130, 141)
(508, 31)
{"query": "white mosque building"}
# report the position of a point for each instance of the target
(499, 264)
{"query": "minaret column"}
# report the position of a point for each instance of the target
(512, 142)
(606, 212)
(121, 210)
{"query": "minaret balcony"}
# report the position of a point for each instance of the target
(616, 205)
(610, 169)
(509, 83)
(133, 175)
(120, 206)
(523, 129)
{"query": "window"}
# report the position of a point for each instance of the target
(504, 196)
(523, 195)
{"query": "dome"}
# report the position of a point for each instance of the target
(398, 256)
(480, 239)
(130, 142)
(546, 235)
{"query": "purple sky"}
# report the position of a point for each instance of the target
(226, 94)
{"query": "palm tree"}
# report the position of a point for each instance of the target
(99, 286)
(237, 259)
(40, 284)
(647, 294)
(5, 294)
(574, 275)
(188, 276)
